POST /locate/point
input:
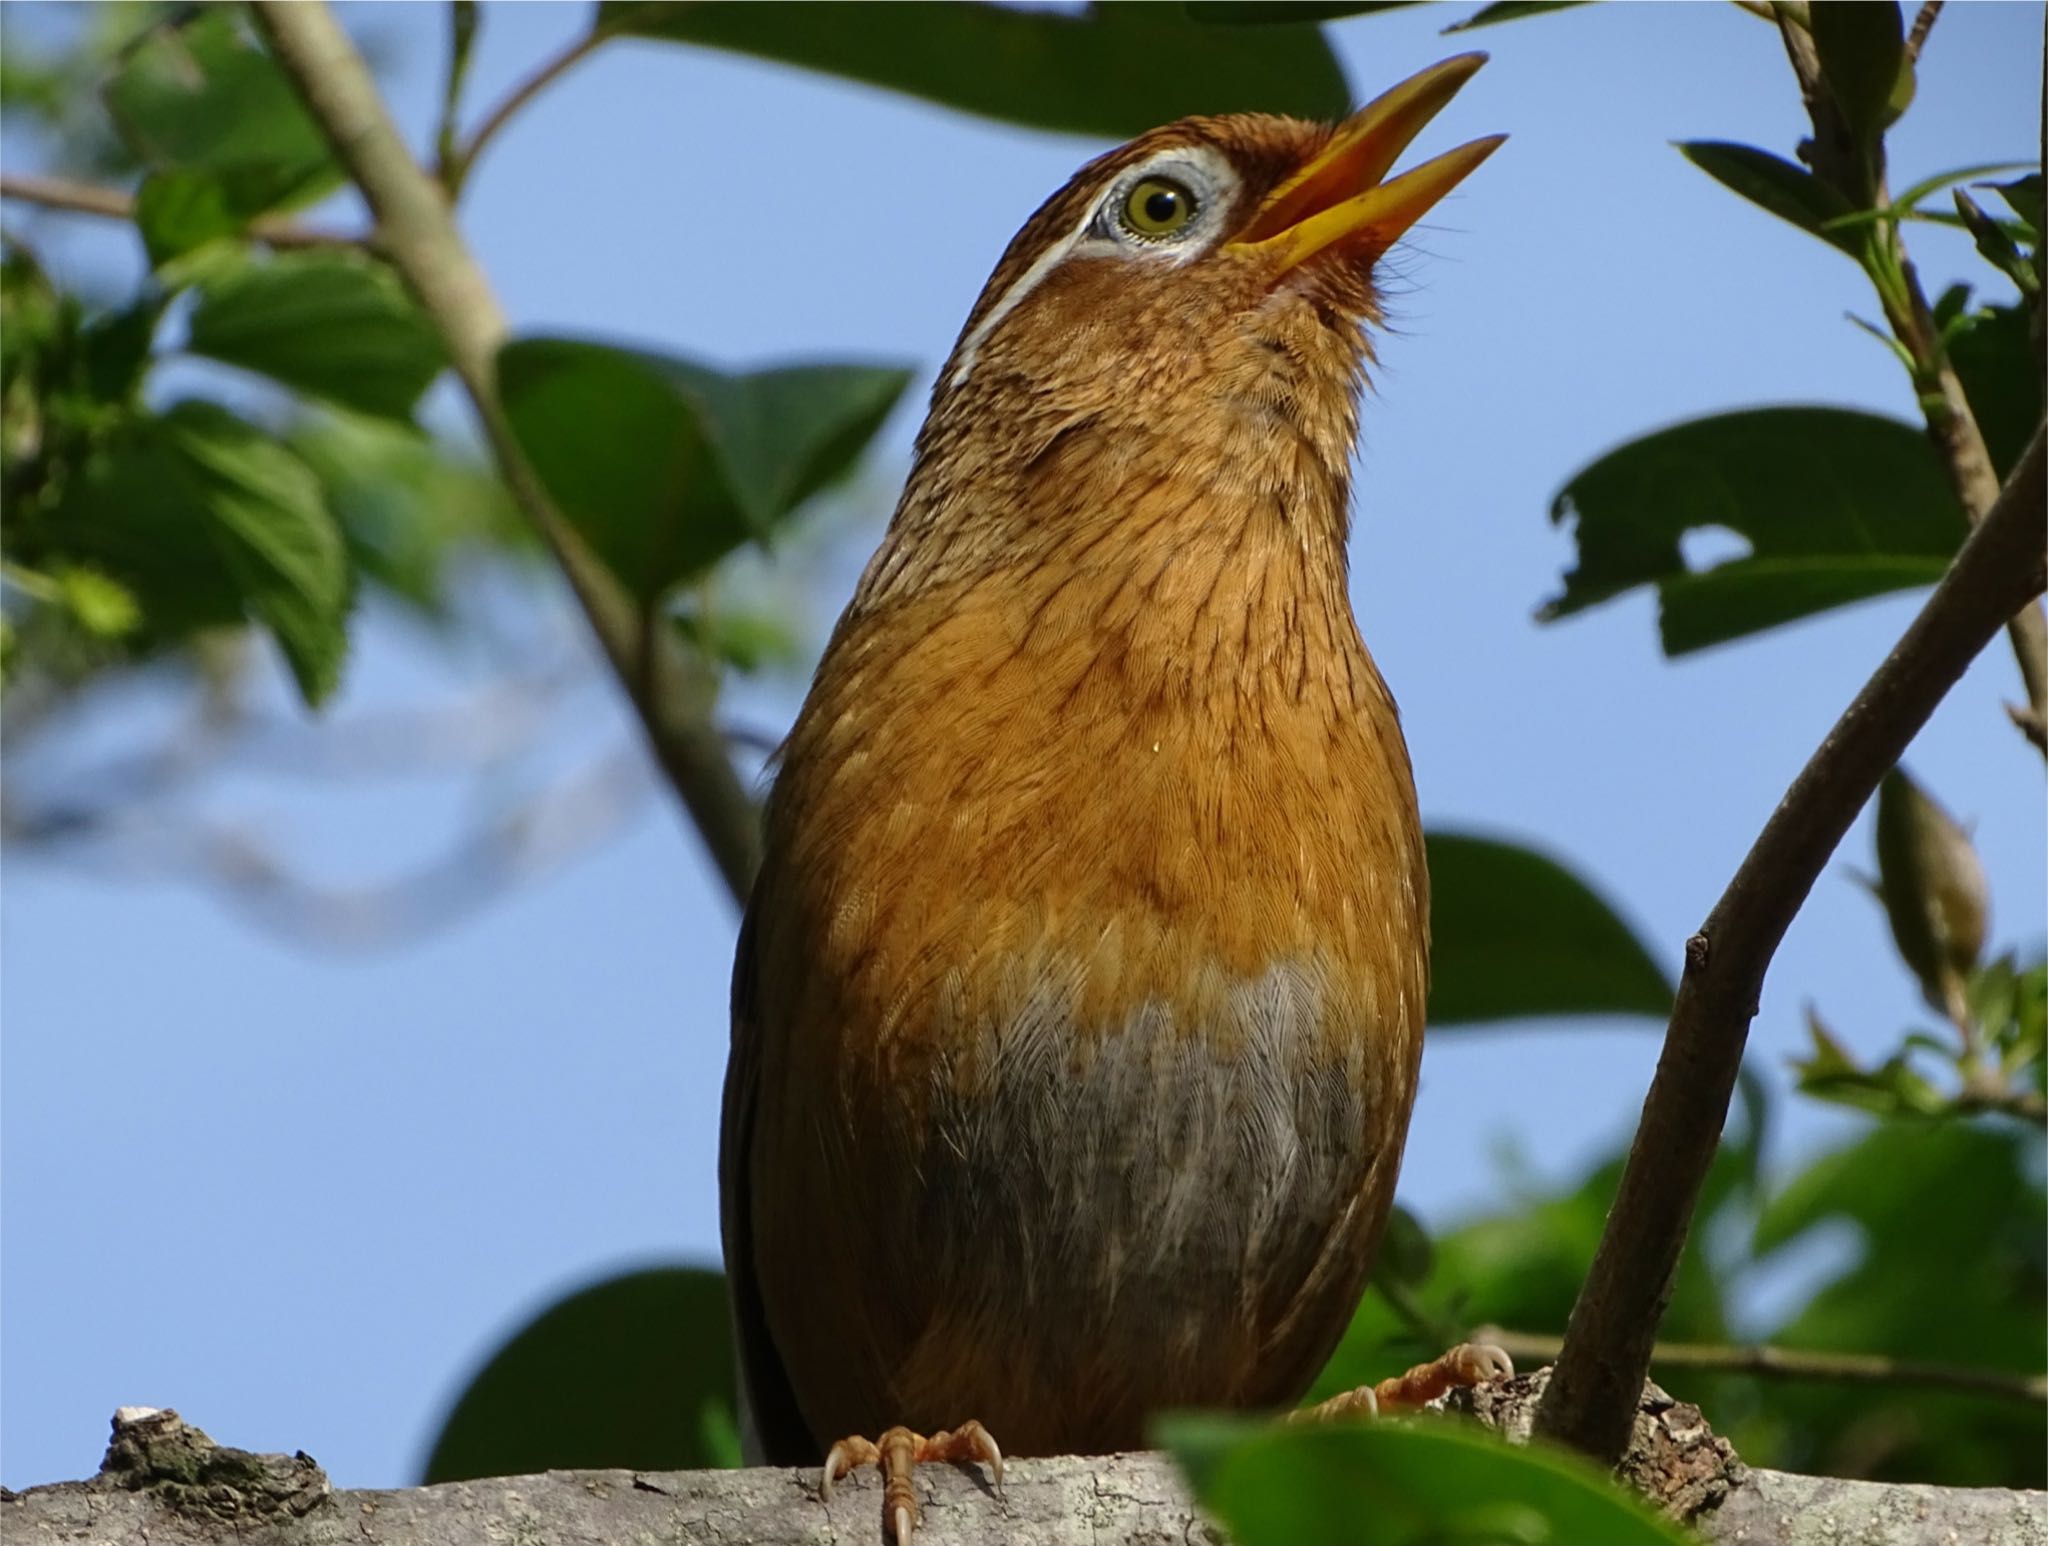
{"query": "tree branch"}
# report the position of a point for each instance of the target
(117, 204)
(1613, 1325)
(417, 233)
(1795, 1364)
(146, 1495)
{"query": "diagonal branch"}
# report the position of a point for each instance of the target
(417, 232)
(2001, 569)
(118, 204)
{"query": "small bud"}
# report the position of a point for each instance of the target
(1933, 888)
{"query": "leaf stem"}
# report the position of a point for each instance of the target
(455, 166)
(1796, 1364)
(417, 232)
(1591, 1399)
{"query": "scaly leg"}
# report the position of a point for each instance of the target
(1469, 1363)
(899, 1452)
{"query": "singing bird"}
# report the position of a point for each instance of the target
(1079, 1001)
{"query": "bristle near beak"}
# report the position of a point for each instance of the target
(1339, 197)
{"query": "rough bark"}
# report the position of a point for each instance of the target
(165, 1483)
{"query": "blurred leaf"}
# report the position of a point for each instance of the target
(1405, 1254)
(667, 466)
(2010, 1006)
(1514, 933)
(1862, 51)
(1788, 191)
(180, 209)
(748, 640)
(1510, 10)
(1837, 506)
(1996, 245)
(410, 510)
(2023, 197)
(208, 520)
(1932, 884)
(330, 324)
(1112, 69)
(103, 606)
(1831, 1073)
(199, 93)
(1992, 355)
(1239, 13)
(1396, 1483)
(635, 1372)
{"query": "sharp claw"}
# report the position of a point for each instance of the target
(903, 1527)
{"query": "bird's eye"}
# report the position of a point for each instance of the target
(1158, 207)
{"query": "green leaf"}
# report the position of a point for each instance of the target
(1514, 933)
(198, 93)
(1265, 13)
(1996, 245)
(667, 466)
(635, 1372)
(1991, 353)
(1112, 69)
(331, 324)
(1788, 191)
(208, 520)
(181, 209)
(1510, 10)
(2023, 197)
(1400, 1484)
(1836, 505)
(1862, 51)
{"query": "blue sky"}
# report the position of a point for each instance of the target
(298, 1194)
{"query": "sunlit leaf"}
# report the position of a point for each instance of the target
(330, 324)
(665, 465)
(1111, 69)
(635, 1372)
(1401, 1484)
(1836, 506)
(1514, 933)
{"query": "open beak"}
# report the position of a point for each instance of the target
(1339, 198)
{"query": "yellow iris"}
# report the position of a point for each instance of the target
(1158, 206)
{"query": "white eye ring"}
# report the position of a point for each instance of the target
(1209, 182)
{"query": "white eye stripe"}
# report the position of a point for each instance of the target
(1208, 175)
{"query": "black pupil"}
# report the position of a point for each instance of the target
(1161, 206)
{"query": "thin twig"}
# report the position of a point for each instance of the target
(1795, 1364)
(418, 234)
(85, 198)
(1592, 1395)
(1923, 23)
(457, 168)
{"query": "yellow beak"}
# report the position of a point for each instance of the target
(1338, 197)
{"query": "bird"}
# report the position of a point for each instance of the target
(1078, 1002)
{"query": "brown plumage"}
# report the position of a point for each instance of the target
(1080, 998)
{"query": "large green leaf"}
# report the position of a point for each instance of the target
(1266, 13)
(1862, 51)
(1112, 69)
(1785, 189)
(666, 466)
(635, 1372)
(1836, 506)
(198, 95)
(209, 520)
(1993, 356)
(1515, 934)
(1401, 1484)
(331, 324)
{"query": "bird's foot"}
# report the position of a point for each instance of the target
(1469, 1363)
(899, 1452)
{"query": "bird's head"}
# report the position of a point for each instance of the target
(1192, 299)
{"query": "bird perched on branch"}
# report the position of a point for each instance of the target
(1079, 1001)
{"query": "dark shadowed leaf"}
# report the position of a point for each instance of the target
(210, 520)
(667, 466)
(1112, 69)
(1787, 190)
(2023, 197)
(1862, 51)
(632, 1373)
(1836, 506)
(1515, 934)
(1400, 1484)
(1991, 354)
(1510, 10)
(330, 324)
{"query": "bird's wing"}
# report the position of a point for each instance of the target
(772, 1429)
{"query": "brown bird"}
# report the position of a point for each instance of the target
(1079, 1001)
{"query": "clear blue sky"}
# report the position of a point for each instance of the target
(298, 1195)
